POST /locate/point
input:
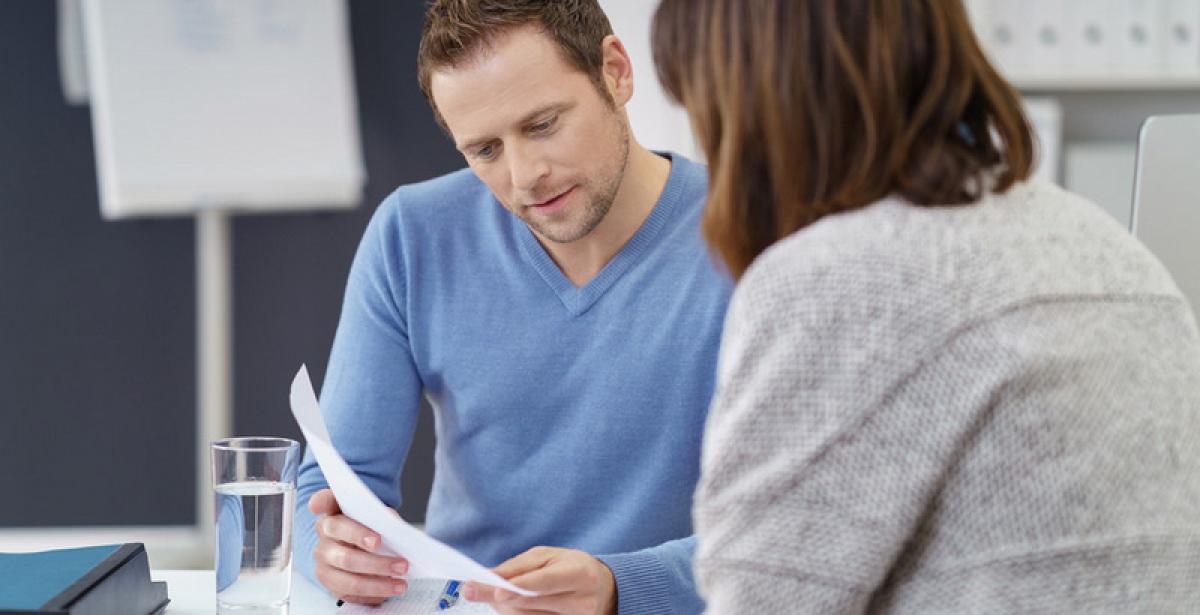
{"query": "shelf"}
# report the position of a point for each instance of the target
(1100, 83)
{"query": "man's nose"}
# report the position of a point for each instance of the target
(527, 168)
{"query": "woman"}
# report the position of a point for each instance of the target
(943, 387)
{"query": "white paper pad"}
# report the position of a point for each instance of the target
(420, 599)
(427, 557)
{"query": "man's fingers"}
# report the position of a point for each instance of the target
(512, 610)
(342, 583)
(562, 603)
(552, 580)
(351, 559)
(347, 530)
(323, 503)
(506, 602)
(530, 560)
(478, 592)
(497, 597)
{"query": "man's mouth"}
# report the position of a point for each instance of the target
(554, 202)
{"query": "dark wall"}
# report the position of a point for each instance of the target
(97, 319)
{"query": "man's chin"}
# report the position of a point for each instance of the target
(564, 230)
(560, 236)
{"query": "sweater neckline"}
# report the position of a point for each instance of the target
(578, 300)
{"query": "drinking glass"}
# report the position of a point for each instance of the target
(254, 492)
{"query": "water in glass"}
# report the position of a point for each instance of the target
(254, 544)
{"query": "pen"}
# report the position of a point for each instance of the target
(449, 596)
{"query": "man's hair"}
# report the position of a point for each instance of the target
(456, 30)
(809, 108)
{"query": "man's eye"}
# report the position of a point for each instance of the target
(542, 126)
(485, 151)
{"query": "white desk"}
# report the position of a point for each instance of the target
(194, 592)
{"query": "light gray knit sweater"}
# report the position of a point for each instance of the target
(983, 409)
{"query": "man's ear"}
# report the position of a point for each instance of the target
(617, 70)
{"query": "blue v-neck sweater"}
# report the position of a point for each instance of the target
(565, 416)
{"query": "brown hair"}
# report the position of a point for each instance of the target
(811, 107)
(455, 30)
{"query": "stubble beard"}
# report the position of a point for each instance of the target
(604, 193)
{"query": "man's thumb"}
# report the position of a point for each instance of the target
(323, 503)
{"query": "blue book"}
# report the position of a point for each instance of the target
(104, 580)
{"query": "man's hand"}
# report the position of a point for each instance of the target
(567, 581)
(345, 558)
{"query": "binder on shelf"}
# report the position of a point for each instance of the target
(1091, 43)
(1048, 38)
(103, 580)
(1181, 37)
(1088, 45)
(1138, 29)
(1006, 33)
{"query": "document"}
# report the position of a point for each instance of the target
(420, 599)
(427, 556)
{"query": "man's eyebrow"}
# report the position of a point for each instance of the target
(556, 107)
(528, 119)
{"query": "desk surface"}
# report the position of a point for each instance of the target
(194, 592)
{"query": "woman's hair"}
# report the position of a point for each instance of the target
(806, 108)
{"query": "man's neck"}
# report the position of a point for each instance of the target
(645, 177)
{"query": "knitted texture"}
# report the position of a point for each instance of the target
(564, 416)
(990, 408)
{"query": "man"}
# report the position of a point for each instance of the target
(556, 305)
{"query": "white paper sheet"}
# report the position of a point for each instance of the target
(427, 557)
(420, 599)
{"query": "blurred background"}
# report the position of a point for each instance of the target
(98, 318)
(101, 430)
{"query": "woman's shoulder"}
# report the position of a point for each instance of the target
(1033, 239)
(896, 275)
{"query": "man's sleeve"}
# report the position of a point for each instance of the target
(371, 394)
(656, 580)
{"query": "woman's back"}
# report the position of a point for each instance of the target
(983, 408)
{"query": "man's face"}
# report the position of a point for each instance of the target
(537, 131)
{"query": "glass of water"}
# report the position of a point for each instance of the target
(254, 489)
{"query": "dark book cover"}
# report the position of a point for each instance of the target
(103, 580)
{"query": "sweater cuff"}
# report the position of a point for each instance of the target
(641, 581)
